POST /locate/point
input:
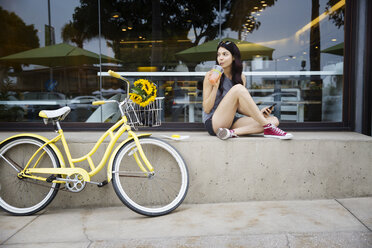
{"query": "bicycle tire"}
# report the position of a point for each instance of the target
(25, 196)
(158, 195)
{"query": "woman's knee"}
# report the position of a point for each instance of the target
(238, 89)
(274, 120)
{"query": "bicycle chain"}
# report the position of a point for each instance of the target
(61, 189)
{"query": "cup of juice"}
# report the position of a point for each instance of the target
(217, 71)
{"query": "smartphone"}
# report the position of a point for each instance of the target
(272, 106)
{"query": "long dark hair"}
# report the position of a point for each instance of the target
(237, 67)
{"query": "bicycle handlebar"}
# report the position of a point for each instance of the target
(104, 101)
(115, 75)
(95, 103)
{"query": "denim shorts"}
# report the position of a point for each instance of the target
(209, 126)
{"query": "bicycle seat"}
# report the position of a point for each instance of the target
(59, 114)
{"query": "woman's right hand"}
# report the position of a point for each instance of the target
(266, 111)
(212, 78)
(209, 92)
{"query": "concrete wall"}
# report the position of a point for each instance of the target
(314, 165)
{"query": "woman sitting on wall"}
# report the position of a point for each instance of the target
(225, 97)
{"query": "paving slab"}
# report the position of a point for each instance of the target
(269, 217)
(49, 245)
(361, 208)
(251, 241)
(57, 226)
(310, 223)
(331, 240)
(10, 225)
(319, 240)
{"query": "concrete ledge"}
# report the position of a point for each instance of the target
(314, 165)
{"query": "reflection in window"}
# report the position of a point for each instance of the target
(305, 74)
(47, 62)
(292, 52)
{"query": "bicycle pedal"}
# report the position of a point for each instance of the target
(51, 178)
(102, 184)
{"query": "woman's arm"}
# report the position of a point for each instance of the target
(209, 93)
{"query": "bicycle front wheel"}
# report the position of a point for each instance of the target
(150, 195)
(25, 196)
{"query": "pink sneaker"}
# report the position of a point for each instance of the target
(271, 131)
(224, 133)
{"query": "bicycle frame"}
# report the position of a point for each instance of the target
(120, 125)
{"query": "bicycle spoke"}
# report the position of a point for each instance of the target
(169, 186)
(159, 194)
(23, 196)
(14, 165)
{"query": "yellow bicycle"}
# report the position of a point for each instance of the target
(148, 174)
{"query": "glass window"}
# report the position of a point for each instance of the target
(303, 73)
(47, 60)
(292, 55)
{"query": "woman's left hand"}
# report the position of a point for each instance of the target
(266, 111)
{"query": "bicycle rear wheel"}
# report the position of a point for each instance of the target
(25, 196)
(149, 195)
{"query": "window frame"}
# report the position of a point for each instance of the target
(348, 105)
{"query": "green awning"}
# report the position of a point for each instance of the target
(58, 55)
(207, 51)
(337, 49)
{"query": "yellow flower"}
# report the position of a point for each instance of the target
(143, 93)
(147, 87)
(135, 98)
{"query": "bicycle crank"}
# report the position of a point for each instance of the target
(75, 183)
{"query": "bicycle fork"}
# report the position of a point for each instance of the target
(139, 151)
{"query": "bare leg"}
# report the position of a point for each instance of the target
(247, 125)
(237, 99)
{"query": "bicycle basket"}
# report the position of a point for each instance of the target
(149, 116)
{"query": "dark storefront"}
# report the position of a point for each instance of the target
(310, 57)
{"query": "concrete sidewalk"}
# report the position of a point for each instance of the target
(308, 223)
